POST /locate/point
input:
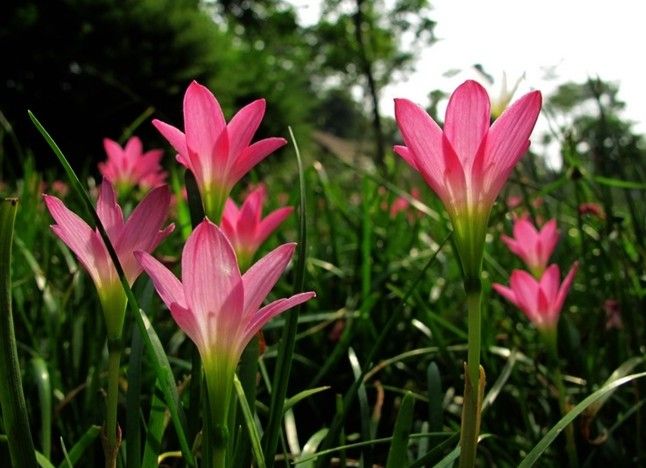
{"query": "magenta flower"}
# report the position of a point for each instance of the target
(468, 162)
(218, 154)
(217, 307)
(141, 231)
(129, 167)
(532, 246)
(540, 300)
(246, 229)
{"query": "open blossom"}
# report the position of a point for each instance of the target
(532, 246)
(540, 300)
(468, 162)
(129, 166)
(218, 154)
(217, 307)
(245, 227)
(141, 231)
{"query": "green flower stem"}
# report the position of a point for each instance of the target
(219, 384)
(113, 437)
(550, 336)
(474, 378)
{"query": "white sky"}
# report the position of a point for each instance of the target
(573, 39)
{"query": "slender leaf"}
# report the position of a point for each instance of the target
(398, 454)
(254, 437)
(77, 451)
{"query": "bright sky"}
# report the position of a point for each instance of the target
(567, 39)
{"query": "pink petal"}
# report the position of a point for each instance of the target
(549, 282)
(270, 311)
(505, 292)
(406, 155)
(78, 236)
(133, 149)
(244, 124)
(467, 121)
(203, 120)
(109, 211)
(548, 238)
(526, 288)
(210, 271)
(565, 287)
(190, 324)
(113, 150)
(424, 139)
(515, 247)
(252, 155)
(508, 140)
(263, 275)
(524, 231)
(176, 138)
(168, 287)
(142, 230)
(271, 223)
(249, 218)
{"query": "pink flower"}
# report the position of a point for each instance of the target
(613, 314)
(246, 229)
(218, 308)
(591, 208)
(540, 300)
(218, 154)
(468, 162)
(532, 246)
(129, 166)
(141, 231)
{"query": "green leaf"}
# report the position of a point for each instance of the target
(12, 398)
(291, 401)
(310, 449)
(41, 376)
(251, 424)
(538, 450)
(619, 183)
(398, 454)
(77, 451)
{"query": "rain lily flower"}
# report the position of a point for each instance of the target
(593, 209)
(468, 162)
(532, 246)
(540, 300)
(246, 229)
(141, 231)
(504, 98)
(129, 166)
(218, 154)
(217, 307)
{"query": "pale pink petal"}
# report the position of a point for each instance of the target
(262, 276)
(524, 231)
(455, 192)
(249, 218)
(425, 140)
(113, 150)
(406, 155)
(109, 211)
(78, 236)
(190, 324)
(467, 121)
(244, 124)
(565, 288)
(271, 222)
(176, 138)
(142, 230)
(203, 120)
(270, 311)
(225, 326)
(548, 237)
(515, 247)
(252, 155)
(168, 287)
(508, 140)
(209, 271)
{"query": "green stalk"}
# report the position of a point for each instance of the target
(474, 379)
(550, 336)
(12, 398)
(113, 438)
(219, 383)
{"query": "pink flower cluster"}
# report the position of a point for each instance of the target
(540, 295)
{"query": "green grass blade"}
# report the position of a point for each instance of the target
(364, 407)
(43, 461)
(12, 398)
(155, 431)
(287, 342)
(133, 395)
(77, 451)
(310, 449)
(41, 377)
(435, 397)
(151, 340)
(538, 450)
(254, 437)
(398, 454)
(291, 401)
